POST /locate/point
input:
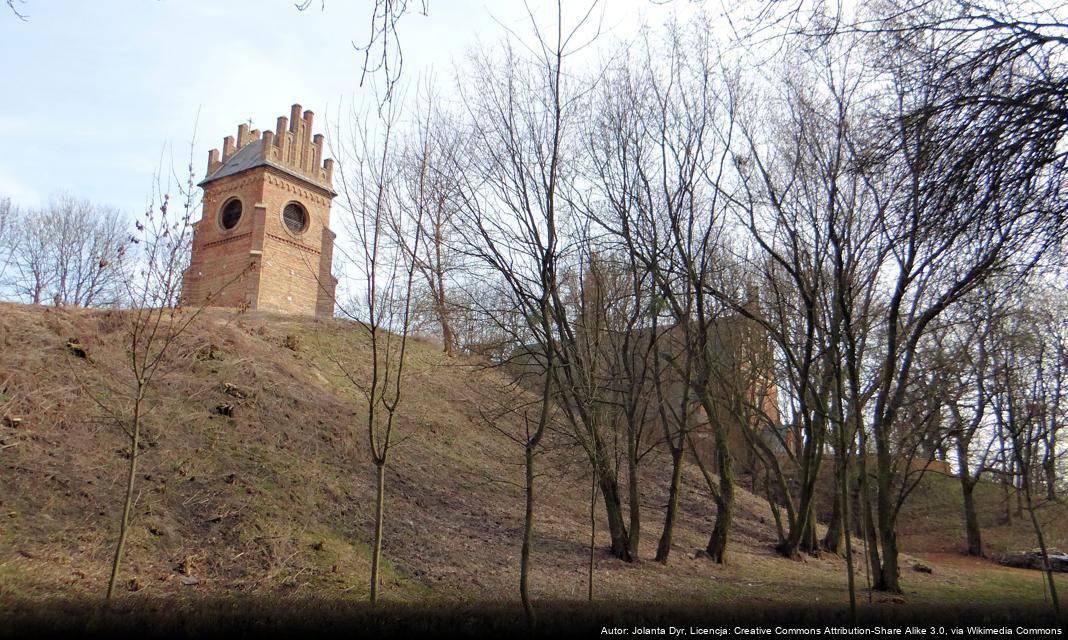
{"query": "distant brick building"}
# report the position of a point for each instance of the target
(264, 238)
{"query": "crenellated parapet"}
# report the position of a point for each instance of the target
(266, 218)
(290, 147)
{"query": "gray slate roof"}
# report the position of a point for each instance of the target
(250, 156)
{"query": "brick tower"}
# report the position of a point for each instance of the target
(266, 217)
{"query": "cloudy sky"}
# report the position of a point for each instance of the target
(97, 93)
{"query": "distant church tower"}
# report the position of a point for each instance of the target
(266, 216)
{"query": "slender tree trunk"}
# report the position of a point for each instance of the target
(663, 549)
(1006, 498)
(128, 503)
(802, 534)
(1050, 467)
(832, 540)
(838, 527)
(593, 533)
(888, 577)
(634, 501)
(380, 507)
(867, 526)
(810, 542)
(971, 520)
(717, 542)
(530, 446)
(843, 498)
(528, 539)
(613, 503)
(775, 514)
(1019, 501)
(614, 510)
(967, 490)
(1050, 463)
(1047, 569)
(448, 337)
(1025, 480)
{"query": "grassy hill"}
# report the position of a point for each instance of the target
(255, 481)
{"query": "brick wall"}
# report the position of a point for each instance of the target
(261, 262)
(292, 262)
(221, 272)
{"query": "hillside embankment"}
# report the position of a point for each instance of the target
(255, 480)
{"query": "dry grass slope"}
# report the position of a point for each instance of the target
(276, 498)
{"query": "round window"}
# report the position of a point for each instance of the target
(231, 214)
(295, 217)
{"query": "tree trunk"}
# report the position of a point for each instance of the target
(1024, 467)
(802, 535)
(1042, 546)
(1019, 501)
(967, 488)
(663, 549)
(867, 525)
(1006, 498)
(810, 542)
(888, 577)
(128, 503)
(717, 542)
(380, 507)
(614, 510)
(832, 540)
(838, 527)
(781, 533)
(971, 520)
(634, 501)
(448, 336)
(528, 538)
(593, 534)
(1050, 464)
(843, 519)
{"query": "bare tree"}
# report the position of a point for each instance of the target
(678, 416)
(8, 215)
(387, 272)
(31, 274)
(1024, 391)
(151, 263)
(967, 201)
(612, 299)
(62, 254)
(15, 10)
(964, 342)
(84, 237)
(964, 181)
(800, 207)
(511, 203)
(660, 139)
(1053, 326)
(430, 189)
(382, 51)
